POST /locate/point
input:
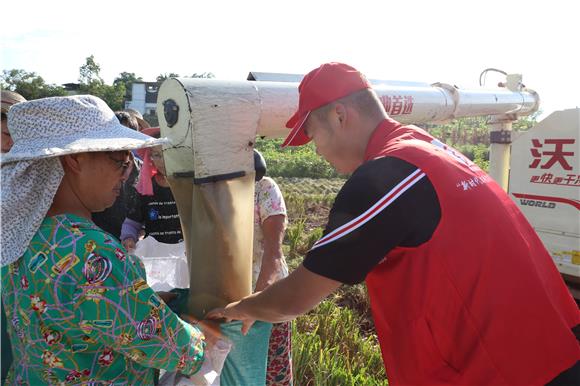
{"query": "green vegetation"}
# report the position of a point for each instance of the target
(28, 84)
(329, 349)
(32, 86)
(299, 161)
(334, 344)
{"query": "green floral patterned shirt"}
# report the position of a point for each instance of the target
(79, 311)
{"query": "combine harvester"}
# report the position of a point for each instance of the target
(213, 125)
(544, 181)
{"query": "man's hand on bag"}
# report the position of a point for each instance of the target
(232, 312)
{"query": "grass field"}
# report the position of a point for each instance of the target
(335, 344)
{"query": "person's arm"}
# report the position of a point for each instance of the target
(118, 308)
(272, 259)
(133, 223)
(130, 233)
(284, 300)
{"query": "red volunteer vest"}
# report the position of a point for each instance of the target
(481, 302)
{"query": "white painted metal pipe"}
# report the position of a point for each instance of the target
(406, 104)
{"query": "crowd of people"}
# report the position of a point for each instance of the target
(462, 290)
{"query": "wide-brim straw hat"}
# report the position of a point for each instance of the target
(43, 130)
(57, 126)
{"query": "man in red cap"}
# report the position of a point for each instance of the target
(462, 289)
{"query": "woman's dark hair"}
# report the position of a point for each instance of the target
(127, 120)
(259, 165)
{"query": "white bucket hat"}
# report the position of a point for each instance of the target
(43, 130)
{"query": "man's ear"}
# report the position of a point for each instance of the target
(341, 114)
(73, 162)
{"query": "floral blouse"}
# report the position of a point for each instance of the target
(268, 201)
(79, 311)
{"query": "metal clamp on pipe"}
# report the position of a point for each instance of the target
(502, 136)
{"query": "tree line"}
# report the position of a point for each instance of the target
(33, 86)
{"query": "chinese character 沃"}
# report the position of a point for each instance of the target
(557, 155)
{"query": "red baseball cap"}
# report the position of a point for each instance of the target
(325, 84)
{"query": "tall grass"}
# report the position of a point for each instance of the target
(328, 349)
(294, 236)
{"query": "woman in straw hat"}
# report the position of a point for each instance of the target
(79, 307)
(8, 99)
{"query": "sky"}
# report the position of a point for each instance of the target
(425, 41)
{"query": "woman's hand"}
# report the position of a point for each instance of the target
(209, 328)
(129, 245)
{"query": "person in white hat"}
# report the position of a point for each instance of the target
(79, 307)
(9, 98)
